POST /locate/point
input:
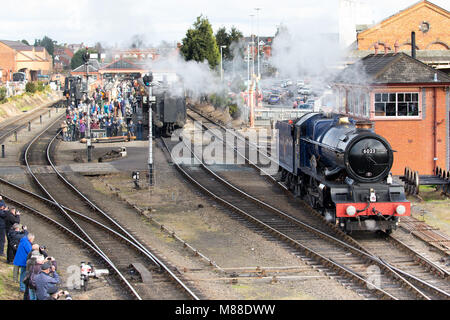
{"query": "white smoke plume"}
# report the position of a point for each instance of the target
(198, 79)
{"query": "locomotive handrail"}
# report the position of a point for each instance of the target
(323, 145)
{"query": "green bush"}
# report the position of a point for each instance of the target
(2, 94)
(235, 112)
(30, 87)
(40, 86)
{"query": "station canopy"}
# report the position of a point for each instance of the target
(122, 66)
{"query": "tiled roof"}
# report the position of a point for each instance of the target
(390, 68)
(82, 68)
(17, 45)
(123, 64)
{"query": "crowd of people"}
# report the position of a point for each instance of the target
(33, 268)
(108, 109)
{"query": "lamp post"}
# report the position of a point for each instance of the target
(257, 32)
(221, 62)
(253, 50)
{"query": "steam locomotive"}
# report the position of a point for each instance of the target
(168, 107)
(342, 169)
(73, 90)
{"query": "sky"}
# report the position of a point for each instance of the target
(114, 22)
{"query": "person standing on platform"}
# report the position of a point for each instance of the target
(131, 129)
(12, 217)
(20, 259)
(139, 130)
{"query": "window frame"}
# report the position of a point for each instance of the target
(388, 99)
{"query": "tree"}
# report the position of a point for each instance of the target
(224, 38)
(200, 43)
(77, 59)
(25, 42)
(47, 43)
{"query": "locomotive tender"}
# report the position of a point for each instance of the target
(342, 169)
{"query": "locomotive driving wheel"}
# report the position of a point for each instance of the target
(313, 193)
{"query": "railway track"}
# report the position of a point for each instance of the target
(111, 241)
(9, 127)
(421, 271)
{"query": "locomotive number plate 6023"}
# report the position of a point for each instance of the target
(369, 151)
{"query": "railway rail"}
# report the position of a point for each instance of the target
(111, 241)
(425, 233)
(435, 287)
(9, 127)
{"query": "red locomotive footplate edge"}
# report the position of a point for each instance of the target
(386, 208)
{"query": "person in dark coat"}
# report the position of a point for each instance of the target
(131, 129)
(16, 233)
(12, 217)
(139, 129)
(3, 209)
(108, 125)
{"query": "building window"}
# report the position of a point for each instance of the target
(399, 104)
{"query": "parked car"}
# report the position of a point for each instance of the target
(274, 99)
(304, 91)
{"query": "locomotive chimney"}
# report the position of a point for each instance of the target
(413, 44)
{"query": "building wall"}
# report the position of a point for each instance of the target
(413, 139)
(7, 61)
(399, 28)
(34, 60)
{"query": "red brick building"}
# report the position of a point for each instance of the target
(431, 25)
(407, 100)
(16, 56)
(63, 57)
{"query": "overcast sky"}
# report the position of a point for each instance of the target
(115, 21)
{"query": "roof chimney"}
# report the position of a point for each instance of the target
(376, 48)
(413, 44)
(396, 46)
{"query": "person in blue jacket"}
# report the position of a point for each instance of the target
(46, 281)
(20, 260)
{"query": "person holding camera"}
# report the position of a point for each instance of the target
(34, 263)
(46, 280)
(16, 233)
(3, 209)
(20, 260)
(12, 217)
(54, 294)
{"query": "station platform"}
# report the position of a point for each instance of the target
(74, 157)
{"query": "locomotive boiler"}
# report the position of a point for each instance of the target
(341, 168)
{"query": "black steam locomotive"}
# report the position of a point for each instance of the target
(341, 168)
(168, 107)
(73, 90)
